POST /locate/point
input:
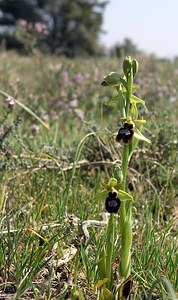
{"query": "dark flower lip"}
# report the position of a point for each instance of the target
(112, 203)
(126, 287)
(125, 133)
(128, 126)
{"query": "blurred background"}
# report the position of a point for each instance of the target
(90, 27)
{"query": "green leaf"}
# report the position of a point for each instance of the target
(2, 195)
(139, 136)
(137, 100)
(123, 196)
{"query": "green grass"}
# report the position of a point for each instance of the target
(39, 184)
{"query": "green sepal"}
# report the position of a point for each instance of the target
(139, 123)
(134, 88)
(139, 136)
(102, 195)
(123, 196)
(136, 100)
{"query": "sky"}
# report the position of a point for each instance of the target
(151, 24)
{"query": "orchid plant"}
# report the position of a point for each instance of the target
(117, 200)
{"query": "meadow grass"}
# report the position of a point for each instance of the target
(50, 179)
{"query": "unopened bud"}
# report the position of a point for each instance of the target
(127, 65)
(112, 78)
(134, 67)
(118, 174)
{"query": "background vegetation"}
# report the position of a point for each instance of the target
(50, 179)
(39, 185)
(60, 19)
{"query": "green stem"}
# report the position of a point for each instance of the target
(109, 250)
(126, 244)
(124, 171)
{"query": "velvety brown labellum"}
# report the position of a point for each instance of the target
(112, 203)
(125, 133)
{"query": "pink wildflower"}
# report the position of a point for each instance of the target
(23, 22)
(40, 27)
(11, 101)
(35, 128)
(73, 103)
(79, 113)
(45, 117)
(173, 99)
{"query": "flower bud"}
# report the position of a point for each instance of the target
(134, 67)
(127, 65)
(118, 174)
(112, 79)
